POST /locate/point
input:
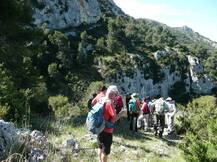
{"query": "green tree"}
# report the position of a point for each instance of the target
(100, 46)
(211, 66)
(113, 37)
(82, 56)
(200, 141)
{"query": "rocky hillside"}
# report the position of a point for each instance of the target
(194, 36)
(70, 13)
(66, 48)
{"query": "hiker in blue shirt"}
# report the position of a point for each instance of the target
(134, 108)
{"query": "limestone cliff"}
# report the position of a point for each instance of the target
(61, 14)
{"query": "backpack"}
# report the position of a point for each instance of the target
(145, 108)
(95, 121)
(132, 105)
(160, 107)
(119, 101)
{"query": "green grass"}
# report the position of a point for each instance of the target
(127, 146)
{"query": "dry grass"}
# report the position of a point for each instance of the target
(127, 146)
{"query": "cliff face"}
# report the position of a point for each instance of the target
(200, 81)
(61, 14)
(194, 79)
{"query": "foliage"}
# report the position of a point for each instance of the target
(60, 106)
(94, 87)
(47, 63)
(200, 140)
(178, 92)
(115, 35)
(211, 66)
(3, 111)
(82, 52)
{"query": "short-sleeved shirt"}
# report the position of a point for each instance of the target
(109, 115)
(172, 108)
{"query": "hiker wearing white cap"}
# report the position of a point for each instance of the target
(160, 109)
(105, 137)
(170, 115)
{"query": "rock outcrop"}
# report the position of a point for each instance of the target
(195, 79)
(8, 137)
(11, 138)
(62, 14)
(200, 82)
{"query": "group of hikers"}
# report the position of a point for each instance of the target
(142, 113)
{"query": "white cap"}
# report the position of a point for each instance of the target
(169, 99)
(112, 89)
(134, 95)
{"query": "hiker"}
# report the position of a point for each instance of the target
(128, 97)
(170, 115)
(118, 105)
(144, 116)
(134, 109)
(89, 102)
(100, 95)
(159, 116)
(105, 137)
(151, 108)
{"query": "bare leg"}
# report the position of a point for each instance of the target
(100, 154)
(104, 157)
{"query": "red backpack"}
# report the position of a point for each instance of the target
(145, 108)
(119, 102)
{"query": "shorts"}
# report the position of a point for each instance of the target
(105, 142)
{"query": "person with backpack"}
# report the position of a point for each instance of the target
(118, 105)
(89, 102)
(99, 95)
(145, 111)
(151, 108)
(134, 109)
(170, 115)
(128, 97)
(160, 108)
(109, 114)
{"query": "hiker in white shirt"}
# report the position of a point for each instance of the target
(170, 114)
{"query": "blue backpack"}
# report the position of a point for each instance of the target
(95, 121)
(132, 105)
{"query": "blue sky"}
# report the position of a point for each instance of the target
(200, 15)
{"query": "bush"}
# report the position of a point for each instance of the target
(94, 87)
(200, 142)
(3, 111)
(60, 106)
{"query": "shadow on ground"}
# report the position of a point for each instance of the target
(122, 129)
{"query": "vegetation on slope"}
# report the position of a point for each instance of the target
(44, 71)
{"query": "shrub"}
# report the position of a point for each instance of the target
(60, 106)
(94, 87)
(200, 142)
(3, 111)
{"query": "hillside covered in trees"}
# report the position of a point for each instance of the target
(46, 71)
